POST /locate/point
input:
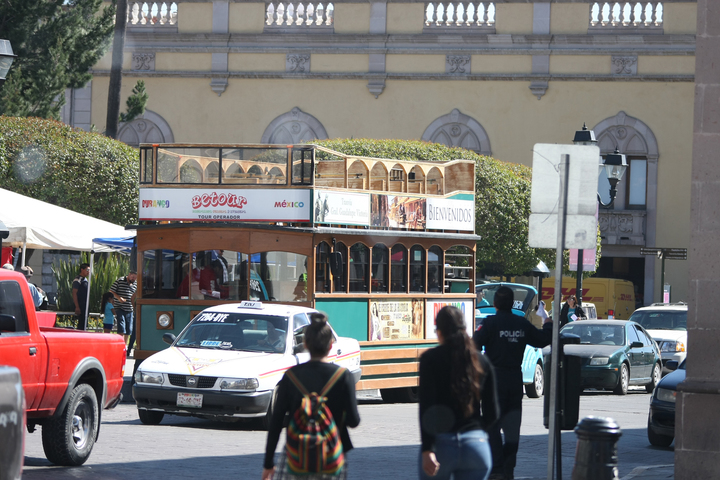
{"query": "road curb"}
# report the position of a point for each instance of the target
(651, 472)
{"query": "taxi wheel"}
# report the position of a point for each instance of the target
(150, 417)
(536, 388)
(264, 422)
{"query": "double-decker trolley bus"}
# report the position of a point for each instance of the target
(380, 245)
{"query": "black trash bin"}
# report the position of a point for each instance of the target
(569, 386)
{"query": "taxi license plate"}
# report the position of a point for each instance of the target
(193, 400)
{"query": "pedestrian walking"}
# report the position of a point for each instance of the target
(504, 336)
(123, 291)
(80, 295)
(108, 312)
(336, 388)
(570, 311)
(458, 404)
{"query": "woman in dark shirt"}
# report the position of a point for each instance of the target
(313, 375)
(457, 403)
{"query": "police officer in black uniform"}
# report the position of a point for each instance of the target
(504, 336)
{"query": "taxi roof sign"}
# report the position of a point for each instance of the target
(250, 304)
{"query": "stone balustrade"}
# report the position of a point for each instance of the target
(622, 227)
(459, 14)
(626, 14)
(298, 14)
(152, 14)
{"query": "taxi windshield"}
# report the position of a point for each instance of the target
(235, 331)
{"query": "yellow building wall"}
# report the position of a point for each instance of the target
(666, 64)
(194, 17)
(352, 18)
(415, 63)
(569, 18)
(580, 64)
(405, 17)
(501, 64)
(198, 62)
(679, 18)
(246, 17)
(256, 62)
(334, 63)
(514, 18)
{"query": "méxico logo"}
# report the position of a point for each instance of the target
(221, 200)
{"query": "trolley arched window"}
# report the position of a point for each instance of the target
(458, 271)
(417, 269)
(359, 268)
(435, 269)
(380, 268)
(322, 268)
(398, 269)
(340, 279)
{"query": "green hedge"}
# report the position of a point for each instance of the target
(84, 172)
(502, 199)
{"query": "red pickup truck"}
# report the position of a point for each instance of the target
(68, 376)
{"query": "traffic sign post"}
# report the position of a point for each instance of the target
(665, 254)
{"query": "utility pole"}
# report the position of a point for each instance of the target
(113, 106)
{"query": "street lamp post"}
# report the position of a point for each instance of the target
(6, 59)
(614, 166)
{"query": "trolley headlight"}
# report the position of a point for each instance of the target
(599, 361)
(148, 377)
(239, 384)
(164, 320)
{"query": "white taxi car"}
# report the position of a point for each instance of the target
(227, 362)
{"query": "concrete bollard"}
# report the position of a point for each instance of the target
(596, 453)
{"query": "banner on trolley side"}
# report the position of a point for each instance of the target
(225, 205)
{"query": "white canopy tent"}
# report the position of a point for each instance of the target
(39, 225)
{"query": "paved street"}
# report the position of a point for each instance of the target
(386, 444)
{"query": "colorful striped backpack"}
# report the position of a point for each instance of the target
(313, 440)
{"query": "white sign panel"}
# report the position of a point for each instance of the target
(581, 228)
(450, 214)
(434, 306)
(342, 208)
(225, 205)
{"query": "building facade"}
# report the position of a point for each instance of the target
(493, 77)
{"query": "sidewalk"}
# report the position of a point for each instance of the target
(656, 472)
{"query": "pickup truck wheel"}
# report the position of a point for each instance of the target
(69, 439)
(150, 417)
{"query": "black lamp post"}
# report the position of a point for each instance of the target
(614, 166)
(6, 59)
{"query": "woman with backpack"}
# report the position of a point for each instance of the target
(320, 398)
(458, 403)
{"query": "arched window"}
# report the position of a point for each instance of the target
(458, 269)
(322, 268)
(359, 268)
(458, 130)
(191, 172)
(147, 128)
(417, 269)
(398, 269)
(340, 279)
(435, 269)
(380, 268)
(293, 127)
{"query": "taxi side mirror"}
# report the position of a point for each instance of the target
(168, 338)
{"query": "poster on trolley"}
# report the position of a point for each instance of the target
(396, 319)
(434, 306)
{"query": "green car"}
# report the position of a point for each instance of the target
(615, 354)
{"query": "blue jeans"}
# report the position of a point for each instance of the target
(124, 321)
(462, 456)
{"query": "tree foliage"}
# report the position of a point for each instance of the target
(56, 43)
(85, 172)
(135, 103)
(502, 199)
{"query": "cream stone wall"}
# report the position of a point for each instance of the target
(338, 63)
(679, 18)
(105, 63)
(405, 17)
(256, 62)
(569, 18)
(515, 18)
(352, 17)
(198, 62)
(246, 17)
(501, 64)
(580, 64)
(673, 64)
(415, 63)
(194, 17)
